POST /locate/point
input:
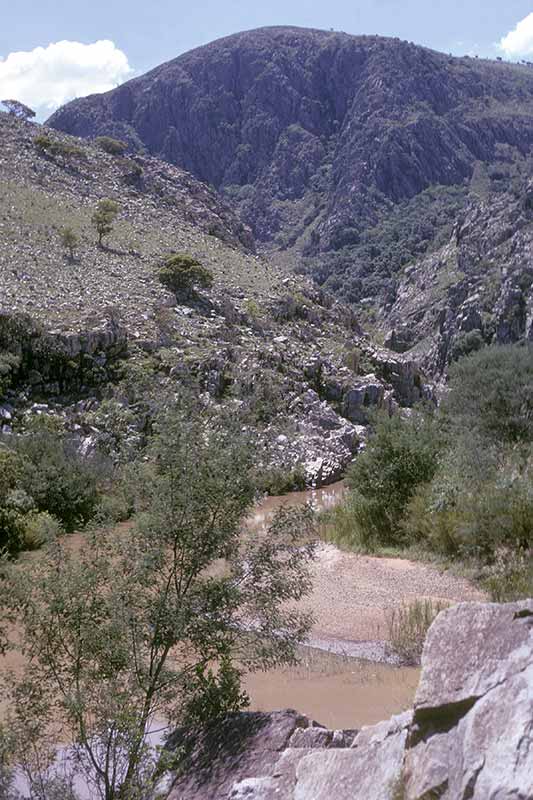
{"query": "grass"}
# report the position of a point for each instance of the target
(408, 626)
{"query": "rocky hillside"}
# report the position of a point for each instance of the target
(468, 737)
(477, 289)
(352, 153)
(96, 340)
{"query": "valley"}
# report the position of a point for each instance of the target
(266, 427)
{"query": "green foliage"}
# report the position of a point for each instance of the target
(491, 392)
(40, 528)
(58, 480)
(466, 343)
(115, 147)
(157, 618)
(366, 262)
(104, 217)
(45, 486)
(408, 626)
(475, 514)
(70, 241)
(279, 481)
(511, 576)
(400, 455)
(214, 693)
(9, 366)
(44, 143)
(182, 273)
(459, 483)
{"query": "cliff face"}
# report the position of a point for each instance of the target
(316, 135)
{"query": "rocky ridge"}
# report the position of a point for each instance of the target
(326, 142)
(468, 737)
(475, 290)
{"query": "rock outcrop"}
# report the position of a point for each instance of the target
(472, 731)
(469, 737)
(477, 289)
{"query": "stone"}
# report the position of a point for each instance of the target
(472, 731)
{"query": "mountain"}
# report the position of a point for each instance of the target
(351, 154)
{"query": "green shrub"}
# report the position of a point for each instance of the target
(40, 528)
(491, 392)
(113, 508)
(472, 515)
(511, 576)
(45, 143)
(466, 343)
(279, 481)
(115, 147)
(357, 523)
(12, 531)
(408, 627)
(182, 273)
(59, 480)
(104, 217)
(400, 455)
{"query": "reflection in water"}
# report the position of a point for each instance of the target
(335, 690)
(318, 499)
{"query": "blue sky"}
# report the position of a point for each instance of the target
(135, 35)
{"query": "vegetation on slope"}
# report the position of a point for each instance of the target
(456, 481)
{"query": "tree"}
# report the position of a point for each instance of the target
(182, 273)
(104, 217)
(18, 109)
(70, 241)
(131, 629)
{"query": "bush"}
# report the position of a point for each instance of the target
(401, 455)
(408, 627)
(463, 514)
(279, 481)
(40, 528)
(12, 531)
(57, 478)
(491, 392)
(511, 576)
(55, 147)
(182, 273)
(115, 147)
(104, 217)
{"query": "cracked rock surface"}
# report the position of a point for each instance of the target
(472, 732)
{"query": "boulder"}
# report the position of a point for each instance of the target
(472, 731)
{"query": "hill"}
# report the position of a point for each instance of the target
(98, 340)
(351, 154)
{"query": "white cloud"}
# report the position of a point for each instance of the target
(47, 77)
(519, 42)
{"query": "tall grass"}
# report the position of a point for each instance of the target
(408, 626)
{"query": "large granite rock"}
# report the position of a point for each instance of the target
(470, 736)
(472, 731)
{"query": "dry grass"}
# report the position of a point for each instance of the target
(408, 626)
